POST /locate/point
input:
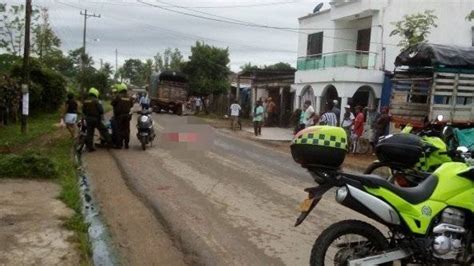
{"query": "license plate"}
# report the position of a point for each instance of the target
(143, 134)
(306, 205)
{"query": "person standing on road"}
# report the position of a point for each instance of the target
(335, 109)
(308, 114)
(93, 112)
(348, 122)
(329, 117)
(358, 127)
(70, 115)
(258, 119)
(381, 125)
(272, 112)
(234, 113)
(122, 105)
(198, 105)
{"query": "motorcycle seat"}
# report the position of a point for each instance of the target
(413, 195)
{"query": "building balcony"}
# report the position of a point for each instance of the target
(346, 58)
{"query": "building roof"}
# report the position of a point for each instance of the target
(434, 55)
(315, 14)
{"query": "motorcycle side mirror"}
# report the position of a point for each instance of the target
(439, 118)
(462, 149)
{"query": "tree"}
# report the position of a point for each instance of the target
(170, 60)
(281, 66)
(48, 87)
(470, 16)
(249, 67)
(415, 28)
(147, 70)
(45, 40)
(107, 69)
(13, 24)
(133, 70)
(207, 69)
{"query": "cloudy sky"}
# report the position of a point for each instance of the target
(141, 28)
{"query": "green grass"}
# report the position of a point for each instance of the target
(10, 136)
(53, 161)
(27, 165)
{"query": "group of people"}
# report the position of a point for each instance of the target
(264, 113)
(352, 124)
(93, 113)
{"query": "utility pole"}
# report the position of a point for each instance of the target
(101, 63)
(116, 63)
(84, 34)
(26, 70)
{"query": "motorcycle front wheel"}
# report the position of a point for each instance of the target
(345, 241)
(143, 141)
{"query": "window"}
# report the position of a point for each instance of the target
(315, 44)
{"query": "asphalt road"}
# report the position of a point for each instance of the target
(224, 199)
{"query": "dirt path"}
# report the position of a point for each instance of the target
(136, 233)
(31, 231)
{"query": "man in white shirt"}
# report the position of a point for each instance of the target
(234, 113)
(198, 104)
(308, 114)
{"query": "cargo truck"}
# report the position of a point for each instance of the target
(168, 92)
(432, 80)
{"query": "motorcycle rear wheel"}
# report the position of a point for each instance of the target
(324, 253)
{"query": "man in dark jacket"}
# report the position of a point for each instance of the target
(122, 105)
(93, 112)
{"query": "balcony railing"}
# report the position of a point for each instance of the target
(346, 58)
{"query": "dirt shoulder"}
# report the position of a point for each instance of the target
(357, 162)
(31, 225)
(136, 233)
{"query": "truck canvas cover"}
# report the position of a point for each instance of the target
(436, 55)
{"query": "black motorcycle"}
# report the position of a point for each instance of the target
(145, 129)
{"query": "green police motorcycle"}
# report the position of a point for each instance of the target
(431, 223)
(407, 159)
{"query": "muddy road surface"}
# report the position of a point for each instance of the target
(222, 200)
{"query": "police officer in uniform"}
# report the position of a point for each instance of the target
(93, 112)
(122, 105)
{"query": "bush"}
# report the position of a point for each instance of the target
(48, 88)
(28, 165)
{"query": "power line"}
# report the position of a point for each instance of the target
(236, 22)
(208, 7)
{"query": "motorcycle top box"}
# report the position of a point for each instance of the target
(320, 145)
(405, 149)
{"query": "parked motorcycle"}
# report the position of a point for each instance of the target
(431, 223)
(145, 129)
(80, 141)
(407, 158)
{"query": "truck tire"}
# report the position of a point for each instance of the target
(179, 110)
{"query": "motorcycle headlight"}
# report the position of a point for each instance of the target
(144, 119)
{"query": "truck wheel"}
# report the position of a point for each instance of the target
(179, 110)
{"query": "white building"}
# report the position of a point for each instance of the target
(344, 50)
